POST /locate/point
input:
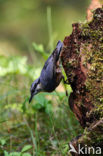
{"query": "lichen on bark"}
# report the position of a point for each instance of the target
(82, 59)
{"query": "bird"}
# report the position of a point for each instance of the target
(51, 74)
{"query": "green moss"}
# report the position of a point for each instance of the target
(92, 49)
(94, 133)
(87, 49)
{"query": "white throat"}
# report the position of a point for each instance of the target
(39, 87)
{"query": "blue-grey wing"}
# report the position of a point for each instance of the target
(48, 71)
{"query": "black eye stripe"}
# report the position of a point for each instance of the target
(33, 86)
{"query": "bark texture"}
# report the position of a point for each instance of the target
(82, 59)
(94, 5)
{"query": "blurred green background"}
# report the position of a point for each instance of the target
(29, 30)
(25, 21)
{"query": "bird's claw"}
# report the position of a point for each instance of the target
(65, 81)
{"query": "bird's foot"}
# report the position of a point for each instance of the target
(65, 81)
(66, 92)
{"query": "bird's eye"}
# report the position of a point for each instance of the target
(33, 86)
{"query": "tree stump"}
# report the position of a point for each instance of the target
(82, 60)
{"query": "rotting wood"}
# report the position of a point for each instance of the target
(82, 59)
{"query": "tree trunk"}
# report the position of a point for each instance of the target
(82, 59)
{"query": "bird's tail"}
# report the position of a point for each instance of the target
(57, 51)
(59, 47)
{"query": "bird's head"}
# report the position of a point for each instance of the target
(36, 87)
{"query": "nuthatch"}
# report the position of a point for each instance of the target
(51, 74)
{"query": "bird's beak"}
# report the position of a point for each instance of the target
(32, 96)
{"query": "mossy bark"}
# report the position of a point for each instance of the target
(82, 59)
(93, 5)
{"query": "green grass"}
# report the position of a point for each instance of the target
(43, 127)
